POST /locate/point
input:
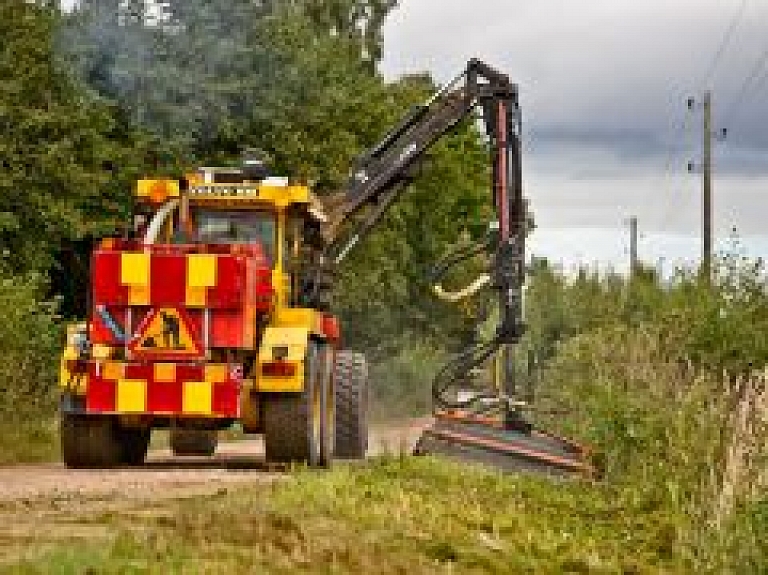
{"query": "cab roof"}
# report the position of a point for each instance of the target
(227, 188)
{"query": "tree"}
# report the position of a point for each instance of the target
(359, 21)
(199, 73)
(58, 146)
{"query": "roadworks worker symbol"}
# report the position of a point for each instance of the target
(166, 332)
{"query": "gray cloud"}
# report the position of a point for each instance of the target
(607, 65)
(604, 85)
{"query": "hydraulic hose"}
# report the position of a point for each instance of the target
(468, 291)
(442, 267)
(158, 220)
(458, 367)
(461, 364)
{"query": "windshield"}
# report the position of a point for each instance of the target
(237, 227)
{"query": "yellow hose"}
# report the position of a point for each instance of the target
(468, 291)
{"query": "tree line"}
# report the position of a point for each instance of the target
(114, 90)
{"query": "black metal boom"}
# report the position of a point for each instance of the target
(383, 171)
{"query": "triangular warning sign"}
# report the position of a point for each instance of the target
(166, 333)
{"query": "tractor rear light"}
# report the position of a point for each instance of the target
(77, 365)
(107, 244)
(278, 369)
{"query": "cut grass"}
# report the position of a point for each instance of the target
(393, 515)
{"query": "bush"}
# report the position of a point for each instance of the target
(670, 392)
(29, 343)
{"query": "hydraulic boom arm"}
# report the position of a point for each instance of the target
(488, 427)
(383, 172)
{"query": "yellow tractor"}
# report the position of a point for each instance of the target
(199, 322)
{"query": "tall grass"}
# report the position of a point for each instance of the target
(670, 390)
(29, 342)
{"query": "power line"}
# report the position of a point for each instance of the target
(757, 84)
(674, 152)
(674, 158)
(761, 80)
(754, 73)
(724, 43)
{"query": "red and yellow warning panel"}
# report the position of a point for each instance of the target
(157, 278)
(166, 333)
(230, 290)
(211, 390)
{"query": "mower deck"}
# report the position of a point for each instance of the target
(489, 441)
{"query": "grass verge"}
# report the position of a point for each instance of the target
(393, 515)
(28, 442)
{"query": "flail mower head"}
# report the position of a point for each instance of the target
(479, 411)
(492, 442)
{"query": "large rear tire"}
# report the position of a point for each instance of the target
(294, 429)
(89, 441)
(351, 388)
(190, 441)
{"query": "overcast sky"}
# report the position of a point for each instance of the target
(607, 133)
(603, 86)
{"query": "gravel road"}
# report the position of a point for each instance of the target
(164, 476)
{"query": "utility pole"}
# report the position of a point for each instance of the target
(706, 180)
(706, 233)
(632, 246)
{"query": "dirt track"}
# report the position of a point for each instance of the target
(48, 503)
(164, 476)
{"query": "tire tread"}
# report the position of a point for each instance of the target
(351, 383)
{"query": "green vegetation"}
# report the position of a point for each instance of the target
(665, 382)
(29, 340)
(58, 148)
(408, 515)
(718, 326)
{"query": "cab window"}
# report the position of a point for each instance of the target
(237, 227)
